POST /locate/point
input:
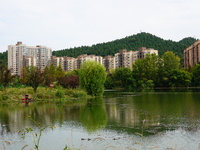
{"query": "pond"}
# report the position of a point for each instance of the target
(120, 120)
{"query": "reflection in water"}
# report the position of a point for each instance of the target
(159, 116)
(161, 111)
(93, 115)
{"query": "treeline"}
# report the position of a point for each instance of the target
(130, 43)
(150, 72)
(154, 71)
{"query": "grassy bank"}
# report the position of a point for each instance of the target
(43, 94)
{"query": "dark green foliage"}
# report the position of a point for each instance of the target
(4, 59)
(196, 75)
(109, 84)
(70, 81)
(122, 77)
(146, 71)
(179, 78)
(60, 94)
(130, 43)
(188, 41)
(92, 77)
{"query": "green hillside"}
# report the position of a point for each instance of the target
(130, 43)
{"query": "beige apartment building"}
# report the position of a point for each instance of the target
(142, 51)
(192, 55)
(69, 63)
(125, 58)
(20, 55)
(85, 57)
(109, 63)
(57, 61)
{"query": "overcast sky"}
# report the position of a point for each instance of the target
(61, 24)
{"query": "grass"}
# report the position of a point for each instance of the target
(59, 94)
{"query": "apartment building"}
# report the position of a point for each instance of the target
(69, 63)
(125, 58)
(57, 61)
(37, 56)
(85, 57)
(109, 63)
(192, 55)
(29, 61)
(142, 51)
(20, 55)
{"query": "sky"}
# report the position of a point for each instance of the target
(61, 24)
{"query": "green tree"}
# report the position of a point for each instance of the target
(170, 61)
(23, 77)
(5, 76)
(49, 75)
(147, 69)
(122, 77)
(35, 77)
(179, 78)
(92, 77)
(59, 72)
(196, 75)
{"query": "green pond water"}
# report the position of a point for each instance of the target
(120, 120)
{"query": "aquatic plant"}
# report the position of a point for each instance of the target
(35, 135)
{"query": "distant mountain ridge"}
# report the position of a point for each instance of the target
(130, 43)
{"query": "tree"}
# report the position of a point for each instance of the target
(23, 78)
(179, 78)
(170, 61)
(147, 69)
(35, 77)
(196, 75)
(122, 77)
(49, 75)
(59, 72)
(5, 76)
(92, 77)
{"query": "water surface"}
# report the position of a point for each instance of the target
(119, 120)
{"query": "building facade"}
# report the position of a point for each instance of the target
(142, 51)
(20, 55)
(192, 55)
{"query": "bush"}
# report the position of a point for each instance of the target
(70, 81)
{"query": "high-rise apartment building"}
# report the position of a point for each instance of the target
(192, 55)
(85, 57)
(142, 51)
(57, 61)
(20, 55)
(69, 63)
(109, 63)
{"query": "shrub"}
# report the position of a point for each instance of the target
(71, 81)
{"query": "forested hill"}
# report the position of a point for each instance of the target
(130, 43)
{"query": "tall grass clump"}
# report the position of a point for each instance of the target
(43, 94)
